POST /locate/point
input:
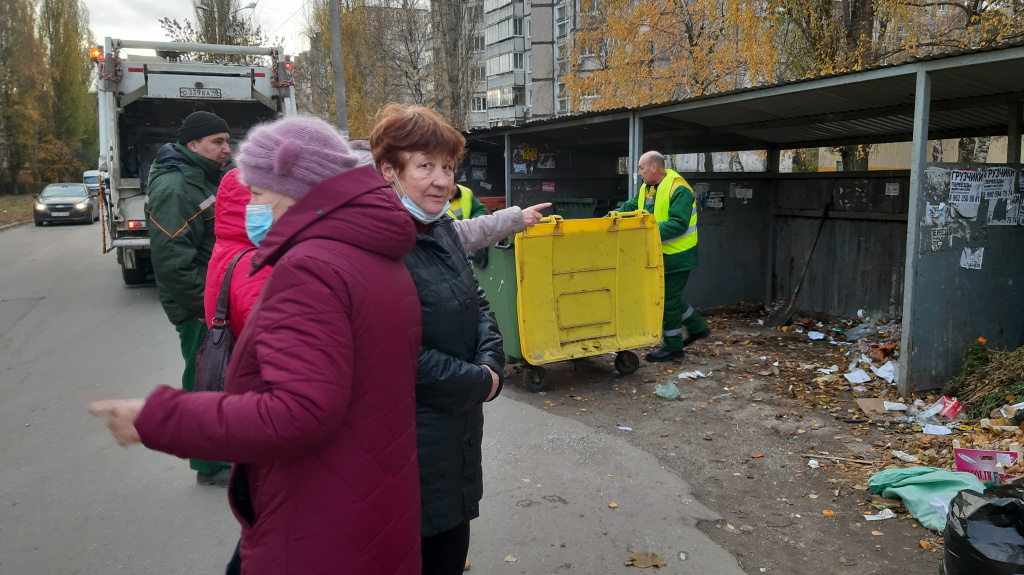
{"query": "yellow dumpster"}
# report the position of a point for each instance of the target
(588, 287)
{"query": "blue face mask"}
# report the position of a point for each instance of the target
(258, 220)
(417, 212)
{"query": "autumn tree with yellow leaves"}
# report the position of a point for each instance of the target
(636, 52)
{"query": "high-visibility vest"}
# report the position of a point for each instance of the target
(688, 239)
(461, 206)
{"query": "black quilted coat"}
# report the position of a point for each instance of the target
(460, 335)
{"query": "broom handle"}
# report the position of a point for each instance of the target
(807, 262)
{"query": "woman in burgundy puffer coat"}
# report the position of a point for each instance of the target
(318, 412)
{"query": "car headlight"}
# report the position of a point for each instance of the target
(40, 207)
(81, 206)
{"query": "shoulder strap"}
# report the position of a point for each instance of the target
(220, 316)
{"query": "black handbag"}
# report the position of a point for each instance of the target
(212, 357)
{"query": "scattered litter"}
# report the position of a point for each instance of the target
(613, 505)
(860, 388)
(692, 374)
(645, 560)
(721, 396)
(668, 390)
(940, 506)
(890, 372)
(877, 533)
(931, 429)
(859, 376)
(860, 332)
(893, 406)
(885, 514)
(904, 457)
(510, 559)
(825, 371)
(624, 428)
(813, 464)
(815, 335)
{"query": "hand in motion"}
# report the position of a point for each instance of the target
(532, 215)
(121, 415)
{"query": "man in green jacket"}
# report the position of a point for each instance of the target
(183, 184)
(666, 194)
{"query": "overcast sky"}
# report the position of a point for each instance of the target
(137, 19)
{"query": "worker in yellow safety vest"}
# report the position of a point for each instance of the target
(464, 205)
(666, 194)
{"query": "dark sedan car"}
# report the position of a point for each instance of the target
(70, 202)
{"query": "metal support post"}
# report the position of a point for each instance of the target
(918, 161)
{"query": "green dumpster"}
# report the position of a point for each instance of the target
(498, 281)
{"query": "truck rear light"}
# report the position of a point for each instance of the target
(136, 224)
(287, 65)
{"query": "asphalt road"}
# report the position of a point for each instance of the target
(72, 501)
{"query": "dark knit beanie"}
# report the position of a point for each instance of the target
(198, 125)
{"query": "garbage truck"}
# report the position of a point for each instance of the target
(142, 103)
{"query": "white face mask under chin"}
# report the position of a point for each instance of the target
(421, 215)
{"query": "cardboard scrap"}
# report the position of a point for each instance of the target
(870, 405)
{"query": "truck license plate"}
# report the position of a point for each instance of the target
(60, 213)
(199, 92)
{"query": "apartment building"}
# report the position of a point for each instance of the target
(520, 54)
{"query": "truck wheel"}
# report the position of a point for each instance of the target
(132, 276)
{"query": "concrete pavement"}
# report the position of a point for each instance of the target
(72, 501)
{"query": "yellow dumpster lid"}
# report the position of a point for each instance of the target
(589, 286)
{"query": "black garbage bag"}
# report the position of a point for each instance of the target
(985, 532)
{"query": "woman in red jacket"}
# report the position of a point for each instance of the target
(232, 198)
(318, 412)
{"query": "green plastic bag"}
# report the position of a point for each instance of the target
(916, 486)
(667, 391)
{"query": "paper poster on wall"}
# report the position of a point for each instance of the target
(486, 185)
(786, 162)
(519, 168)
(712, 200)
(547, 187)
(892, 189)
(935, 214)
(998, 182)
(965, 191)
(479, 174)
(939, 237)
(1004, 211)
(971, 259)
(745, 193)
(478, 159)
(529, 153)
(546, 161)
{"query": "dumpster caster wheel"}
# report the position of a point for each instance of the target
(535, 379)
(626, 362)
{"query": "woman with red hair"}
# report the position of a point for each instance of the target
(461, 357)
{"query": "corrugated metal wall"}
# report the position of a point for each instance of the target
(858, 262)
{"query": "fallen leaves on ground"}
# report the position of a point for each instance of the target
(828, 513)
(613, 505)
(646, 559)
(510, 559)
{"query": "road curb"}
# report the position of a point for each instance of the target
(14, 225)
